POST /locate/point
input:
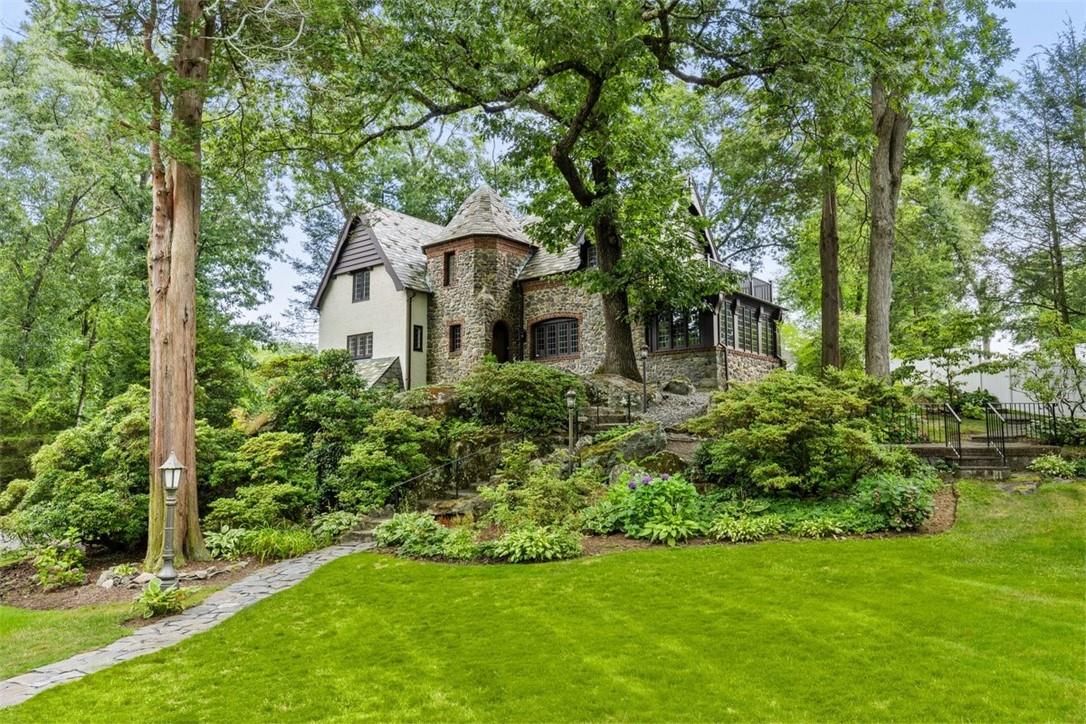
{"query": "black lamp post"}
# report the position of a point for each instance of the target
(644, 378)
(171, 471)
(571, 408)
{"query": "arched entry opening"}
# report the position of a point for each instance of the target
(499, 346)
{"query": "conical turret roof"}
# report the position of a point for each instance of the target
(484, 213)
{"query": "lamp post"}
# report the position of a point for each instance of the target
(644, 378)
(571, 408)
(171, 471)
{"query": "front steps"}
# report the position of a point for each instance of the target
(982, 462)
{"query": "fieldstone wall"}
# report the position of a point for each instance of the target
(549, 298)
(483, 293)
(698, 365)
(745, 366)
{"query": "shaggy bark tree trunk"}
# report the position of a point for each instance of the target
(891, 125)
(828, 255)
(175, 229)
(619, 357)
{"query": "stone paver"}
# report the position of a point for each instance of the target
(218, 607)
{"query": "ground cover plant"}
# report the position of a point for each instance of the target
(982, 622)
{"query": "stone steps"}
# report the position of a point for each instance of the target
(986, 472)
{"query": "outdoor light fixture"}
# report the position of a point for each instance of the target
(644, 378)
(571, 406)
(171, 471)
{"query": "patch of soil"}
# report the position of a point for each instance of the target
(595, 545)
(946, 511)
(19, 585)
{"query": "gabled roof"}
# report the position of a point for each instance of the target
(484, 213)
(543, 262)
(381, 236)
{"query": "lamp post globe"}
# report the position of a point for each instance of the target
(171, 472)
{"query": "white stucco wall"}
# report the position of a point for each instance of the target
(384, 314)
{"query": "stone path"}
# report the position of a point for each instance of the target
(218, 607)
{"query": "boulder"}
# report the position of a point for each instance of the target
(664, 461)
(679, 386)
(636, 443)
(143, 578)
(613, 391)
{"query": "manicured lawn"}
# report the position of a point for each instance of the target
(986, 622)
(33, 638)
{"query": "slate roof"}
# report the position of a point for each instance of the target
(544, 262)
(372, 370)
(402, 237)
(483, 213)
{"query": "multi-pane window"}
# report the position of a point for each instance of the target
(748, 332)
(591, 257)
(727, 323)
(674, 330)
(416, 338)
(454, 338)
(360, 345)
(360, 287)
(450, 268)
(555, 338)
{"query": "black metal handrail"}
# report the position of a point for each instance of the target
(995, 430)
(1029, 421)
(929, 423)
(953, 430)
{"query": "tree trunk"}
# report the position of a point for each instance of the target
(1055, 243)
(619, 357)
(828, 245)
(891, 125)
(175, 232)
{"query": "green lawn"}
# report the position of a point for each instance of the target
(986, 622)
(33, 638)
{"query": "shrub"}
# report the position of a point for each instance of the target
(460, 545)
(536, 543)
(278, 543)
(903, 502)
(60, 564)
(399, 528)
(542, 498)
(608, 514)
(661, 508)
(1053, 466)
(397, 446)
(155, 600)
(525, 397)
(259, 506)
(228, 544)
(330, 527)
(741, 529)
(788, 433)
(270, 458)
(12, 495)
(817, 526)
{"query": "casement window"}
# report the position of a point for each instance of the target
(556, 338)
(416, 338)
(591, 256)
(455, 340)
(727, 324)
(748, 330)
(360, 345)
(360, 285)
(674, 330)
(450, 268)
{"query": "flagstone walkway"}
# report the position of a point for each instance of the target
(218, 607)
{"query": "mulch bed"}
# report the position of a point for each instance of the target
(19, 586)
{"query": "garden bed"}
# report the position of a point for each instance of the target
(19, 586)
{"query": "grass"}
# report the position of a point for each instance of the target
(33, 638)
(987, 621)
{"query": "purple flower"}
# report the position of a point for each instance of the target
(646, 479)
(665, 476)
(632, 485)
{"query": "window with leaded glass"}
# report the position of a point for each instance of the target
(674, 330)
(360, 346)
(748, 332)
(556, 338)
(360, 285)
(455, 340)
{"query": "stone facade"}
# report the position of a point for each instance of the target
(697, 365)
(552, 298)
(744, 366)
(482, 294)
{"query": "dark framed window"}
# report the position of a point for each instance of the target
(748, 330)
(727, 324)
(556, 338)
(674, 330)
(360, 345)
(360, 285)
(450, 268)
(591, 256)
(416, 338)
(455, 339)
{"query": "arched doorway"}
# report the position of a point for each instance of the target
(499, 346)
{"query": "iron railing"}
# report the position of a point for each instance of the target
(1033, 421)
(995, 430)
(930, 423)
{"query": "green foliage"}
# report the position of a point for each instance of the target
(12, 494)
(60, 563)
(1053, 466)
(535, 543)
(903, 502)
(396, 446)
(664, 509)
(269, 458)
(93, 477)
(279, 543)
(743, 529)
(155, 600)
(608, 514)
(414, 534)
(789, 433)
(126, 569)
(460, 545)
(329, 527)
(542, 498)
(257, 506)
(521, 396)
(228, 544)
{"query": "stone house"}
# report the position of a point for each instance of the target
(418, 303)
